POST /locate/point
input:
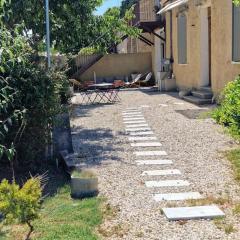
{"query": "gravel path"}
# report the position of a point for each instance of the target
(192, 143)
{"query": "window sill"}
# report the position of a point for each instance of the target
(235, 63)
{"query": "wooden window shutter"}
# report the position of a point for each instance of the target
(236, 34)
(182, 39)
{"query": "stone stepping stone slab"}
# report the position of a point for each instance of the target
(177, 196)
(167, 183)
(142, 138)
(146, 144)
(161, 172)
(150, 153)
(154, 162)
(137, 125)
(162, 105)
(189, 213)
(132, 113)
(135, 122)
(178, 103)
(138, 129)
(132, 108)
(134, 118)
(141, 133)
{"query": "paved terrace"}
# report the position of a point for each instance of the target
(191, 146)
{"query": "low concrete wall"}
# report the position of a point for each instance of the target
(114, 65)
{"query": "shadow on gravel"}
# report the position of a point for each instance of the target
(195, 113)
(96, 146)
(83, 110)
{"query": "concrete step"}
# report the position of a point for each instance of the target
(202, 94)
(206, 89)
(197, 101)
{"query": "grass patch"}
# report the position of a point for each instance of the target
(236, 209)
(62, 218)
(210, 200)
(234, 157)
(222, 224)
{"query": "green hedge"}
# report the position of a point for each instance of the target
(30, 97)
(228, 113)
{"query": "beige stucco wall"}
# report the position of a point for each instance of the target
(223, 70)
(113, 65)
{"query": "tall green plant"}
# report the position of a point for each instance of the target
(30, 97)
(228, 113)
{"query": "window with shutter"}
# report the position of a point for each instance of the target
(182, 39)
(236, 34)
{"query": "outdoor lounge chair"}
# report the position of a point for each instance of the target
(146, 80)
(134, 81)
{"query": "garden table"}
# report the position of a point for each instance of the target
(100, 93)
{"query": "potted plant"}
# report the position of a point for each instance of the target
(84, 183)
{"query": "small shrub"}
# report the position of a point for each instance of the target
(21, 204)
(228, 113)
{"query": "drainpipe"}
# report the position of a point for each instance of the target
(171, 44)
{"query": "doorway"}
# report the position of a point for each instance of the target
(205, 41)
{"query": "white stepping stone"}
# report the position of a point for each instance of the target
(154, 162)
(178, 103)
(145, 106)
(162, 105)
(177, 196)
(132, 108)
(135, 122)
(133, 118)
(188, 213)
(138, 129)
(132, 113)
(146, 144)
(150, 153)
(137, 125)
(167, 183)
(142, 138)
(161, 172)
(141, 133)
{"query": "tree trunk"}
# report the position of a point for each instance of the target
(30, 231)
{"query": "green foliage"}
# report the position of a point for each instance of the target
(228, 114)
(21, 204)
(90, 50)
(72, 21)
(126, 5)
(236, 2)
(112, 27)
(30, 97)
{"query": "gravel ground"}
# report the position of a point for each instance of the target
(194, 144)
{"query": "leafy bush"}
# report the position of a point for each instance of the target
(21, 204)
(228, 113)
(30, 97)
(90, 50)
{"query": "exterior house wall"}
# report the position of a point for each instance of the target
(113, 65)
(135, 45)
(223, 69)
